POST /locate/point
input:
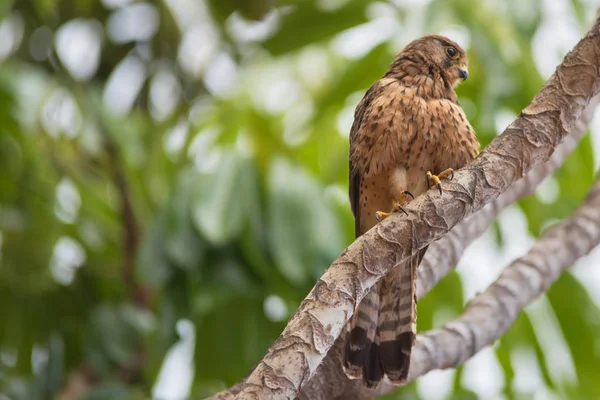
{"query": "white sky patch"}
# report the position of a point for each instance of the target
(189, 13)
(175, 138)
(273, 87)
(483, 260)
(436, 385)
(548, 332)
(346, 116)
(67, 202)
(198, 47)
(91, 139)
(337, 194)
(586, 271)
(548, 191)
(246, 31)
(588, 274)
(9, 356)
(517, 239)
(60, 114)
(484, 375)
(124, 85)
(115, 3)
(165, 92)
(275, 308)
(78, 44)
(244, 143)
(558, 32)
(355, 42)
(202, 150)
(136, 22)
(411, 3)
(68, 256)
(39, 358)
(200, 37)
(502, 119)
(344, 121)
(11, 32)
(528, 378)
(295, 122)
(460, 34)
(595, 136)
(314, 68)
(220, 75)
(282, 94)
(176, 374)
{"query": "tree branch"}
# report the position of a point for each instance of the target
(442, 256)
(131, 231)
(528, 142)
(491, 313)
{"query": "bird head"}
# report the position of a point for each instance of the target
(438, 54)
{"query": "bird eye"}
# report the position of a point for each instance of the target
(451, 52)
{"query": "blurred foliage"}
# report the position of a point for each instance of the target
(186, 160)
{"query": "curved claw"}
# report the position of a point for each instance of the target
(377, 217)
(440, 187)
(406, 192)
(403, 210)
(451, 174)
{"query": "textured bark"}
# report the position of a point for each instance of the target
(528, 142)
(491, 313)
(443, 255)
(329, 380)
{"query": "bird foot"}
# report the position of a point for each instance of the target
(397, 205)
(435, 180)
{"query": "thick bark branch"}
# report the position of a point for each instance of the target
(491, 313)
(442, 256)
(528, 142)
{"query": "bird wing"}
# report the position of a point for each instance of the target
(380, 136)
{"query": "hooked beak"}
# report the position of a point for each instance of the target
(463, 72)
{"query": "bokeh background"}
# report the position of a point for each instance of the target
(173, 180)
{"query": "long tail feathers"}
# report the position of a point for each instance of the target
(397, 321)
(382, 332)
(361, 334)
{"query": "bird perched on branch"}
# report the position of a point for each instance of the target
(409, 133)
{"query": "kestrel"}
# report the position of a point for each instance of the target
(409, 132)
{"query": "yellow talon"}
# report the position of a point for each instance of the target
(396, 206)
(435, 180)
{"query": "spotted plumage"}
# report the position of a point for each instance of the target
(408, 123)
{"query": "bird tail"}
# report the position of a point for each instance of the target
(361, 331)
(382, 332)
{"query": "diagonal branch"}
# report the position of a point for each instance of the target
(441, 257)
(528, 142)
(491, 313)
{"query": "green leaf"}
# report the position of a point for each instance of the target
(304, 233)
(219, 200)
(183, 246)
(152, 266)
(306, 23)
